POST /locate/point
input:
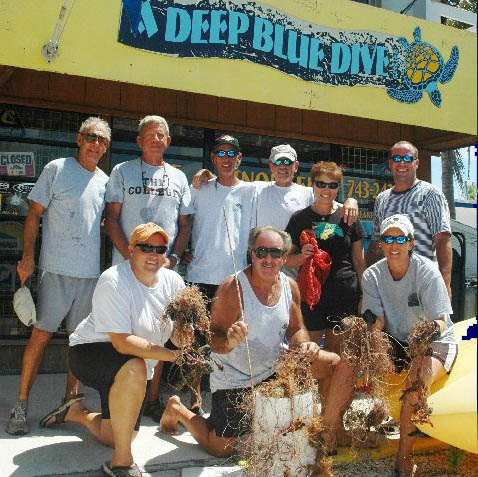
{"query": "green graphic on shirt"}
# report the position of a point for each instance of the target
(324, 231)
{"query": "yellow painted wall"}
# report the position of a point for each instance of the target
(89, 47)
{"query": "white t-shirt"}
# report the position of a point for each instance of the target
(275, 204)
(74, 200)
(212, 261)
(122, 304)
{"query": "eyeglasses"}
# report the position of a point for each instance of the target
(406, 158)
(324, 185)
(91, 138)
(223, 153)
(282, 160)
(389, 239)
(261, 252)
(148, 248)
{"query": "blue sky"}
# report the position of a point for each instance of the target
(436, 169)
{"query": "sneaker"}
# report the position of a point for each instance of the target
(154, 410)
(17, 425)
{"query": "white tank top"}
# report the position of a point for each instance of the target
(267, 326)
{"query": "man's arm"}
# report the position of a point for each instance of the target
(296, 334)
(350, 211)
(26, 265)
(201, 178)
(442, 243)
(182, 239)
(113, 228)
(226, 331)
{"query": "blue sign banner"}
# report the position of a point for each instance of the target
(258, 33)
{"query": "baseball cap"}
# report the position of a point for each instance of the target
(24, 306)
(226, 139)
(283, 150)
(142, 233)
(398, 221)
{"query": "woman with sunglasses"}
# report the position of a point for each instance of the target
(341, 291)
(116, 347)
(402, 289)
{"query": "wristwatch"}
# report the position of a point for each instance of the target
(177, 257)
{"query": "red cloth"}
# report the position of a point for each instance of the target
(314, 271)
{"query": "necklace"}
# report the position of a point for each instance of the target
(148, 183)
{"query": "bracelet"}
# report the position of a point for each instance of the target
(177, 257)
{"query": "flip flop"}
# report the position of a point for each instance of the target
(122, 471)
(61, 411)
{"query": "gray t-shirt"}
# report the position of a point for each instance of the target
(73, 198)
(426, 207)
(122, 304)
(420, 293)
(156, 194)
(212, 261)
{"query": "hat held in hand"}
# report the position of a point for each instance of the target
(24, 306)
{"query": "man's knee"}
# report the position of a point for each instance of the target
(325, 364)
(40, 337)
(134, 370)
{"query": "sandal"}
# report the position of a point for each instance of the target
(61, 411)
(198, 410)
(122, 471)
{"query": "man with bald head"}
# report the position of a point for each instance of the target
(424, 204)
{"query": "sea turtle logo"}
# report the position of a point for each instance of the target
(424, 69)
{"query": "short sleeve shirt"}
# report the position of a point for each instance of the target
(73, 198)
(148, 193)
(333, 236)
(426, 207)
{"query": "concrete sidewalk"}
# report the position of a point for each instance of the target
(69, 449)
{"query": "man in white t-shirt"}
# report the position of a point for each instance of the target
(223, 211)
(68, 198)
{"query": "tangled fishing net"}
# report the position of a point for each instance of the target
(284, 423)
(189, 312)
(419, 341)
(370, 353)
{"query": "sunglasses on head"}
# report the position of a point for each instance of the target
(148, 248)
(92, 138)
(282, 160)
(323, 185)
(401, 239)
(223, 153)
(406, 158)
(261, 252)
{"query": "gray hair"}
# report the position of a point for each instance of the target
(153, 120)
(93, 120)
(255, 232)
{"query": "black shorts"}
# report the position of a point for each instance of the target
(227, 417)
(339, 298)
(96, 365)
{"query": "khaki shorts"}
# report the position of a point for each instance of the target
(61, 297)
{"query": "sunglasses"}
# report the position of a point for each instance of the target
(223, 153)
(92, 138)
(324, 185)
(401, 239)
(148, 248)
(282, 160)
(406, 158)
(261, 252)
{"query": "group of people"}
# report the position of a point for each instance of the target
(244, 253)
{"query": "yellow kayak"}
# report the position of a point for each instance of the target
(452, 398)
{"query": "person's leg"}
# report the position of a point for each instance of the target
(125, 400)
(338, 395)
(176, 412)
(431, 370)
(32, 358)
(155, 382)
